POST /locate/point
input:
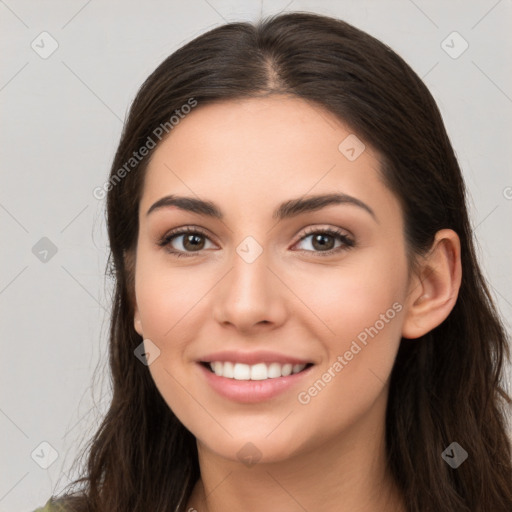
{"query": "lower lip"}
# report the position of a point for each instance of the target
(252, 391)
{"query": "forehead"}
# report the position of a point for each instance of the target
(256, 151)
(277, 125)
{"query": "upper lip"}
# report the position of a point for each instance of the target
(261, 356)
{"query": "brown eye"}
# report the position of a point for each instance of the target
(192, 240)
(323, 241)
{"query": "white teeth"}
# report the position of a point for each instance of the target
(228, 370)
(241, 371)
(298, 367)
(217, 368)
(274, 370)
(260, 371)
(286, 369)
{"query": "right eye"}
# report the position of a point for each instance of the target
(190, 240)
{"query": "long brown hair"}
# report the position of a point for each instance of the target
(445, 387)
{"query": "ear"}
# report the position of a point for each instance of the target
(434, 289)
(137, 324)
(129, 264)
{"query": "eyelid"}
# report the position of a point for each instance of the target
(182, 230)
(348, 240)
(310, 230)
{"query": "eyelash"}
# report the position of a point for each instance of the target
(347, 242)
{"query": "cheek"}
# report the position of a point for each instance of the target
(165, 297)
(362, 306)
(165, 300)
(353, 296)
(352, 380)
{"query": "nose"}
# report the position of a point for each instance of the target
(251, 297)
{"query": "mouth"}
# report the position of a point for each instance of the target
(254, 383)
(254, 372)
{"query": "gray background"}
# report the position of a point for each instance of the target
(61, 120)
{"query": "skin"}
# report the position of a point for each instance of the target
(249, 156)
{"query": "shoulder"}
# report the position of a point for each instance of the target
(52, 505)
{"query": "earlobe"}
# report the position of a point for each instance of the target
(434, 290)
(137, 324)
(129, 262)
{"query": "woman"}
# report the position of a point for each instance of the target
(299, 319)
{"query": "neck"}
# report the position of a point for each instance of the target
(346, 473)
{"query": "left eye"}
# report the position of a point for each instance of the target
(320, 239)
(194, 241)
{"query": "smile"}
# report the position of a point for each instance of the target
(259, 371)
(252, 383)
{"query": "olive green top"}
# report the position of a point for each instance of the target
(51, 506)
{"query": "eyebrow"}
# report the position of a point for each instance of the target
(287, 209)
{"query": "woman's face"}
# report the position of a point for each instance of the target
(270, 283)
